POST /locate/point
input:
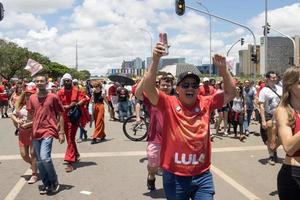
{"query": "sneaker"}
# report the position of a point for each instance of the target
(79, 140)
(32, 179)
(151, 184)
(69, 168)
(54, 188)
(271, 160)
(6, 115)
(94, 141)
(43, 189)
(247, 133)
(225, 133)
(103, 138)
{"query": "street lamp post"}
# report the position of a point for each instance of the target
(210, 68)
(180, 11)
(148, 32)
(227, 54)
(266, 34)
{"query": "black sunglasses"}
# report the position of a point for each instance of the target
(187, 85)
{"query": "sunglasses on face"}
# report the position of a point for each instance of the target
(67, 81)
(187, 85)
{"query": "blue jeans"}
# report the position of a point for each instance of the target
(42, 148)
(247, 120)
(200, 187)
(123, 108)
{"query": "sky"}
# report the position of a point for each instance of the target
(110, 31)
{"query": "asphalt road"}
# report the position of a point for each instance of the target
(116, 169)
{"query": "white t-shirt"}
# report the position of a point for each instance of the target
(238, 104)
(270, 99)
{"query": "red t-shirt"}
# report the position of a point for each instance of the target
(186, 146)
(205, 91)
(3, 95)
(156, 122)
(112, 91)
(45, 111)
(67, 97)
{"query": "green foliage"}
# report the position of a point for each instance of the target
(13, 59)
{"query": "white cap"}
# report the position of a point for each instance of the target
(205, 79)
(30, 84)
(75, 80)
(49, 86)
(67, 76)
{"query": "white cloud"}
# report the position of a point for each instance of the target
(285, 19)
(108, 31)
(37, 6)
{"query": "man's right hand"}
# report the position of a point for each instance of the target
(61, 138)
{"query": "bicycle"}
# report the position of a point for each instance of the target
(136, 131)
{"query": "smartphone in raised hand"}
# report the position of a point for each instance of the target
(163, 38)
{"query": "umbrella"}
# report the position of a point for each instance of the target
(123, 79)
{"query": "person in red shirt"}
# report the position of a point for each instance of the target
(4, 96)
(155, 127)
(112, 100)
(70, 96)
(48, 123)
(206, 89)
(186, 145)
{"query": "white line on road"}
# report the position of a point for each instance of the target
(137, 153)
(249, 195)
(18, 187)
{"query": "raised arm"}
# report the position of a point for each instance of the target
(229, 88)
(139, 90)
(150, 76)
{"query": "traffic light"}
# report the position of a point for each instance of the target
(254, 57)
(1, 11)
(266, 30)
(179, 7)
(242, 41)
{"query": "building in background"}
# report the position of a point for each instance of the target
(246, 65)
(179, 68)
(164, 61)
(280, 54)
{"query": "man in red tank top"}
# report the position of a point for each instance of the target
(186, 146)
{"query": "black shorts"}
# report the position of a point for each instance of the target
(3, 103)
(263, 132)
(288, 182)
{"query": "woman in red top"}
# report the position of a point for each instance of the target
(288, 123)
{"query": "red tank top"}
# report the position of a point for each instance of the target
(296, 130)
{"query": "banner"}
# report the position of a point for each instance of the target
(33, 67)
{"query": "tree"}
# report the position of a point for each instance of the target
(55, 70)
(12, 59)
(86, 74)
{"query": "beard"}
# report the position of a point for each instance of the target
(68, 86)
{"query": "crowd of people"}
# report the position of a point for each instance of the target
(181, 111)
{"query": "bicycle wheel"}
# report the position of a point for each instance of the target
(133, 130)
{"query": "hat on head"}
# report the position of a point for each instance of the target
(205, 79)
(75, 80)
(185, 75)
(30, 88)
(67, 76)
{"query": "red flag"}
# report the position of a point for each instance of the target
(33, 67)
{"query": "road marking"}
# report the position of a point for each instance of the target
(18, 187)
(249, 195)
(85, 192)
(137, 153)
